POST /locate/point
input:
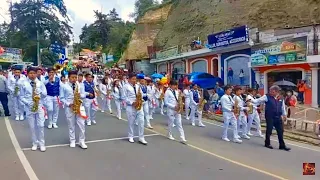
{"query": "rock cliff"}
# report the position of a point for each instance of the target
(190, 19)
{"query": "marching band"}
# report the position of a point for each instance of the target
(39, 96)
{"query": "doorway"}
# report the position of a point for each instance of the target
(286, 79)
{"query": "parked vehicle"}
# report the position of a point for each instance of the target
(204, 80)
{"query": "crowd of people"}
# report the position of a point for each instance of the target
(40, 95)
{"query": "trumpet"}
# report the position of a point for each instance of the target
(58, 67)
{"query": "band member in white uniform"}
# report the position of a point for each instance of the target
(145, 97)
(152, 99)
(242, 118)
(227, 104)
(186, 93)
(14, 83)
(117, 95)
(90, 102)
(103, 94)
(40, 76)
(254, 116)
(130, 95)
(52, 84)
(159, 95)
(67, 98)
(171, 99)
(32, 92)
(194, 103)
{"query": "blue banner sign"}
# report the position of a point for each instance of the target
(230, 37)
(60, 51)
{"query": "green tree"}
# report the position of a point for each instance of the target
(48, 58)
(113, 16)
(102, 28)
(141, 6)
(28, 17)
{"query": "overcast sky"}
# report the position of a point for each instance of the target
(81, 11)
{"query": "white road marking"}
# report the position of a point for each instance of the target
(93, 141)
(24, 161)
(292, 144)
(219, 156)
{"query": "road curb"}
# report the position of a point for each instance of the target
(294, 136)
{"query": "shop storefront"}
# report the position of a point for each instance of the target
(282, 63)
(234, 62)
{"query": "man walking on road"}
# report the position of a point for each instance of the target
(4, 94)
(275, 113)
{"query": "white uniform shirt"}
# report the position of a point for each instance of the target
(67, 95)
(264, 99)
(103, 89)
(241, 103)
(170, 100)
(227, 103)
(254, 104)
(13, 82)
(152, 91)
(129, 93)
(186, 93)
(26, 92)
(117, 93)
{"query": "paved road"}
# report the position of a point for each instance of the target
(110, 156)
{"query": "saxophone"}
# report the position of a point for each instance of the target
(139, 100)
(250, 106)
(35, 98)
(76, 101)
(236, 106)
(16, 88)
(202, 103)
(180, 103)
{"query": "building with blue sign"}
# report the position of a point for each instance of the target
(234, 47)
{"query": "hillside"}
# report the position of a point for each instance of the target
(190, 19)
(145, 33)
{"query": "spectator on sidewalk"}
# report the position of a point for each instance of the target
(4, 94)
(214, 97)
(301, 89)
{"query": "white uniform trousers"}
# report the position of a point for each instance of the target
(229, 117)
(135, 116)
(90, 110)
(72, 119)
(194, 110)
(242, 120)
(18, 106)
(145, 106)
(151, 109)
(161, 105)
(52, 105)
(254, 117)
(118, 106)
(187, 106)
(36, 124)
(175, 119)
(108, 105)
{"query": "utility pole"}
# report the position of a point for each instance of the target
(38, 49)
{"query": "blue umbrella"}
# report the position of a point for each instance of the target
(140, 76)
(157, 76)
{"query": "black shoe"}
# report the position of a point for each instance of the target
(285, 148)
(8, 115)
(268, 146)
